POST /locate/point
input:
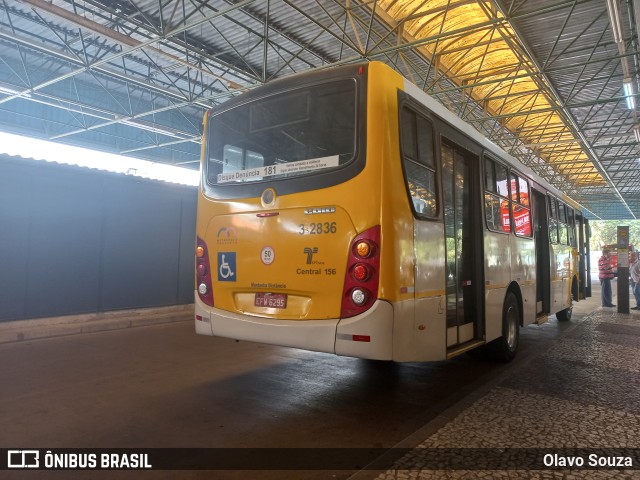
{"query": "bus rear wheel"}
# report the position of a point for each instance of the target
(504, 349)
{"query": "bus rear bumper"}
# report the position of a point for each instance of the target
(316, 335)
(368, 335)
(202, 317)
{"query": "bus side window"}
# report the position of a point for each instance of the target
(418, 161)
(553, 219)
(520, 206)
(562, 226)
(496, 202)
(571, 226)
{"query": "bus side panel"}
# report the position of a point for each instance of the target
(556, 295)
(560, 270)
(497, 275)
(396, 264)
(523, 272)
(556, 281)
(565, 260)
(494, 302)
(427, 333)
(383, 142)
(414, 286)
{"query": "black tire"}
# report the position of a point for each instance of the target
(564, 315)
(504, 349)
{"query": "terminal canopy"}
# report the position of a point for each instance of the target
(553, 82)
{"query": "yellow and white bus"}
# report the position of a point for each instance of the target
(346, 211)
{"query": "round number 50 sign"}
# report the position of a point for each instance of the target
(267, 255)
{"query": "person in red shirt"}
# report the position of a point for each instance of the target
(634, 272)
(605, 274)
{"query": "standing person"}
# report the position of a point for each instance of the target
(634, 271)
(633, 258)
(605, 274)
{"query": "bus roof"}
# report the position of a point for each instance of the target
(479, 138)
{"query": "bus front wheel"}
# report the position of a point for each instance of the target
(504, 348)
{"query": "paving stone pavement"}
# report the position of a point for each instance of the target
(583, 393)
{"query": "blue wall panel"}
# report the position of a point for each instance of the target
(75, 240)
(142, 243)
(15, 199)
(63, 259)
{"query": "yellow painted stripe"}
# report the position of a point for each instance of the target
(495, 286)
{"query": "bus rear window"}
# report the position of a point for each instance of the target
(300, 132)
(280, 112)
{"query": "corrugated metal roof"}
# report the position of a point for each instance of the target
(486, 60)
(541, 78)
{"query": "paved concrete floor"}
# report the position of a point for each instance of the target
(580, 396)
(163, 386)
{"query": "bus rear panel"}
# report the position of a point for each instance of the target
(289, 220)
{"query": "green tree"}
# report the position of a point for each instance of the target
(605, 232)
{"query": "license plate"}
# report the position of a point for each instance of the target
(271, 300)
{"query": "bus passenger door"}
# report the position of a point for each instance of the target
(463, 248)
(584, 254)
(543, 259)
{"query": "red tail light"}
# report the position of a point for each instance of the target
(362, 278)
(203, 273)
(360, 272)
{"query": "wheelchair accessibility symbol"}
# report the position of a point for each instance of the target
(226, 266)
